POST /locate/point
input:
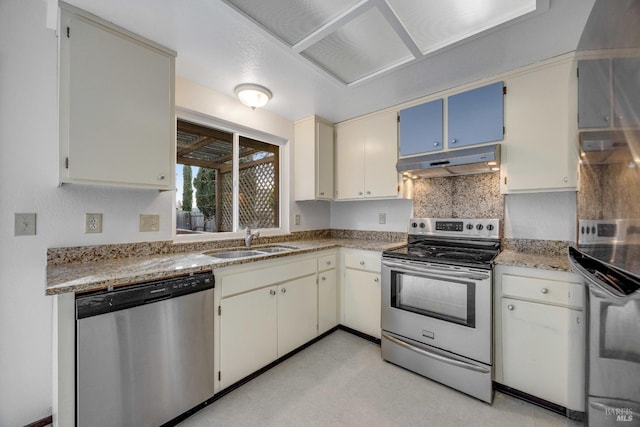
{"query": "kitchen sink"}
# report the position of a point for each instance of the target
(234, 254)
(274, 249)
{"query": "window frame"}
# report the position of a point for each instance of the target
(283, 183)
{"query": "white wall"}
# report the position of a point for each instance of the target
(364, 215)
(545, 216)
(28, 183)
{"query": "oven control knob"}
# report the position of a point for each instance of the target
(593, 230)
(479, 226)
(414, 225)
(588, 230)
(490, 227)
(422, 225)
(469, 226)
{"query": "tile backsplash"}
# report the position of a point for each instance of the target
(609, 191)
(464, 196)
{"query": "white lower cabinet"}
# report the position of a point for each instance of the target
(361, 291)
(269, 308)
(539, 334)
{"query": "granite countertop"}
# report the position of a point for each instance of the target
(541, 254)
(103, 274)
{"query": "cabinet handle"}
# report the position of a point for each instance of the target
(453, 140)
(435, 144)
(272, 292)
(544, 290)
(283, 290)
(510, 307)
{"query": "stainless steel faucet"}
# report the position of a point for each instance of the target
(249, 237)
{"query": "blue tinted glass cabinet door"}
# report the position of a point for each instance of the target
(626, 91)
(421, 128)
(594, 105)
(476, 116)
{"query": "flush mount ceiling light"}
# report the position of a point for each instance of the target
(252, 95)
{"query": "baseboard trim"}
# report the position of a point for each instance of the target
(360, 334)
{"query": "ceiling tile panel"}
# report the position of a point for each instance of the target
(363, 47)
(292, 20)
(435, 24)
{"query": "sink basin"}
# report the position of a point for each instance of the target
(274, 249)
(234, 254)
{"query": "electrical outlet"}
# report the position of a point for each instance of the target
(149, 222)
(25, 224)
(93, 223)
(382, 218)
(297, 219)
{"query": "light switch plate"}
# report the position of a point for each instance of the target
(25, 224)
(149, 222)
(93, 223)
(297, 219)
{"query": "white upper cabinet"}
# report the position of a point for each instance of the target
(117, 113)
(313, 159)
(540, 148)
(366, 157)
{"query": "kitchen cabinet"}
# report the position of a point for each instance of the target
(608, 89)
(327, 293)
(475, 116)
(362, 292)
(421, 128)
(266, 309)
(539, 334)
(540, 149)
(366, 156)
(117, 107)
(313, 159)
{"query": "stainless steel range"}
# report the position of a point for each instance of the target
(436, 302)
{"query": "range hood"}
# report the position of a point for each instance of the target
(607, 146)
(464, 161)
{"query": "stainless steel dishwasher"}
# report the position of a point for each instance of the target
(144, 353)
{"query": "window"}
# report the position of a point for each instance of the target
(225, 181)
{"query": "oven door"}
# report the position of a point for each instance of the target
(443, 306)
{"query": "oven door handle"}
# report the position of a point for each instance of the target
(438, 357)
(427, 270)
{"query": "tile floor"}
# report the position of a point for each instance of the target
(342, 381)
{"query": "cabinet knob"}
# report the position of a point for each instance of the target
(453, 140)
(606, 118)
(361, 262)
(510, 307)
(283, 290)
(565, 179)
(544, 290)
(359, 193)
(368, 193)
(328, 262)
(435, 144)
(376, 280)
(578, 320)
(272, 292)
(160, 177)
(324, 277)
(322, 193)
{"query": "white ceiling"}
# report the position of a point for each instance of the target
(219, 47)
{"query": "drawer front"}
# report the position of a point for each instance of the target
(543, 290)
(327, 262)
(363, 260)
(256, 277)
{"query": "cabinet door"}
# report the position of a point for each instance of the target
(626, 91)
(324, 161)
(362, 296)
(381, 155)
(248, 333)
(116, 108)
(297, 313)
(536, 348)
(421, 128)
(327, 301)
(540, 151)
(594, 93)
(350, 160)
(476, 116)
